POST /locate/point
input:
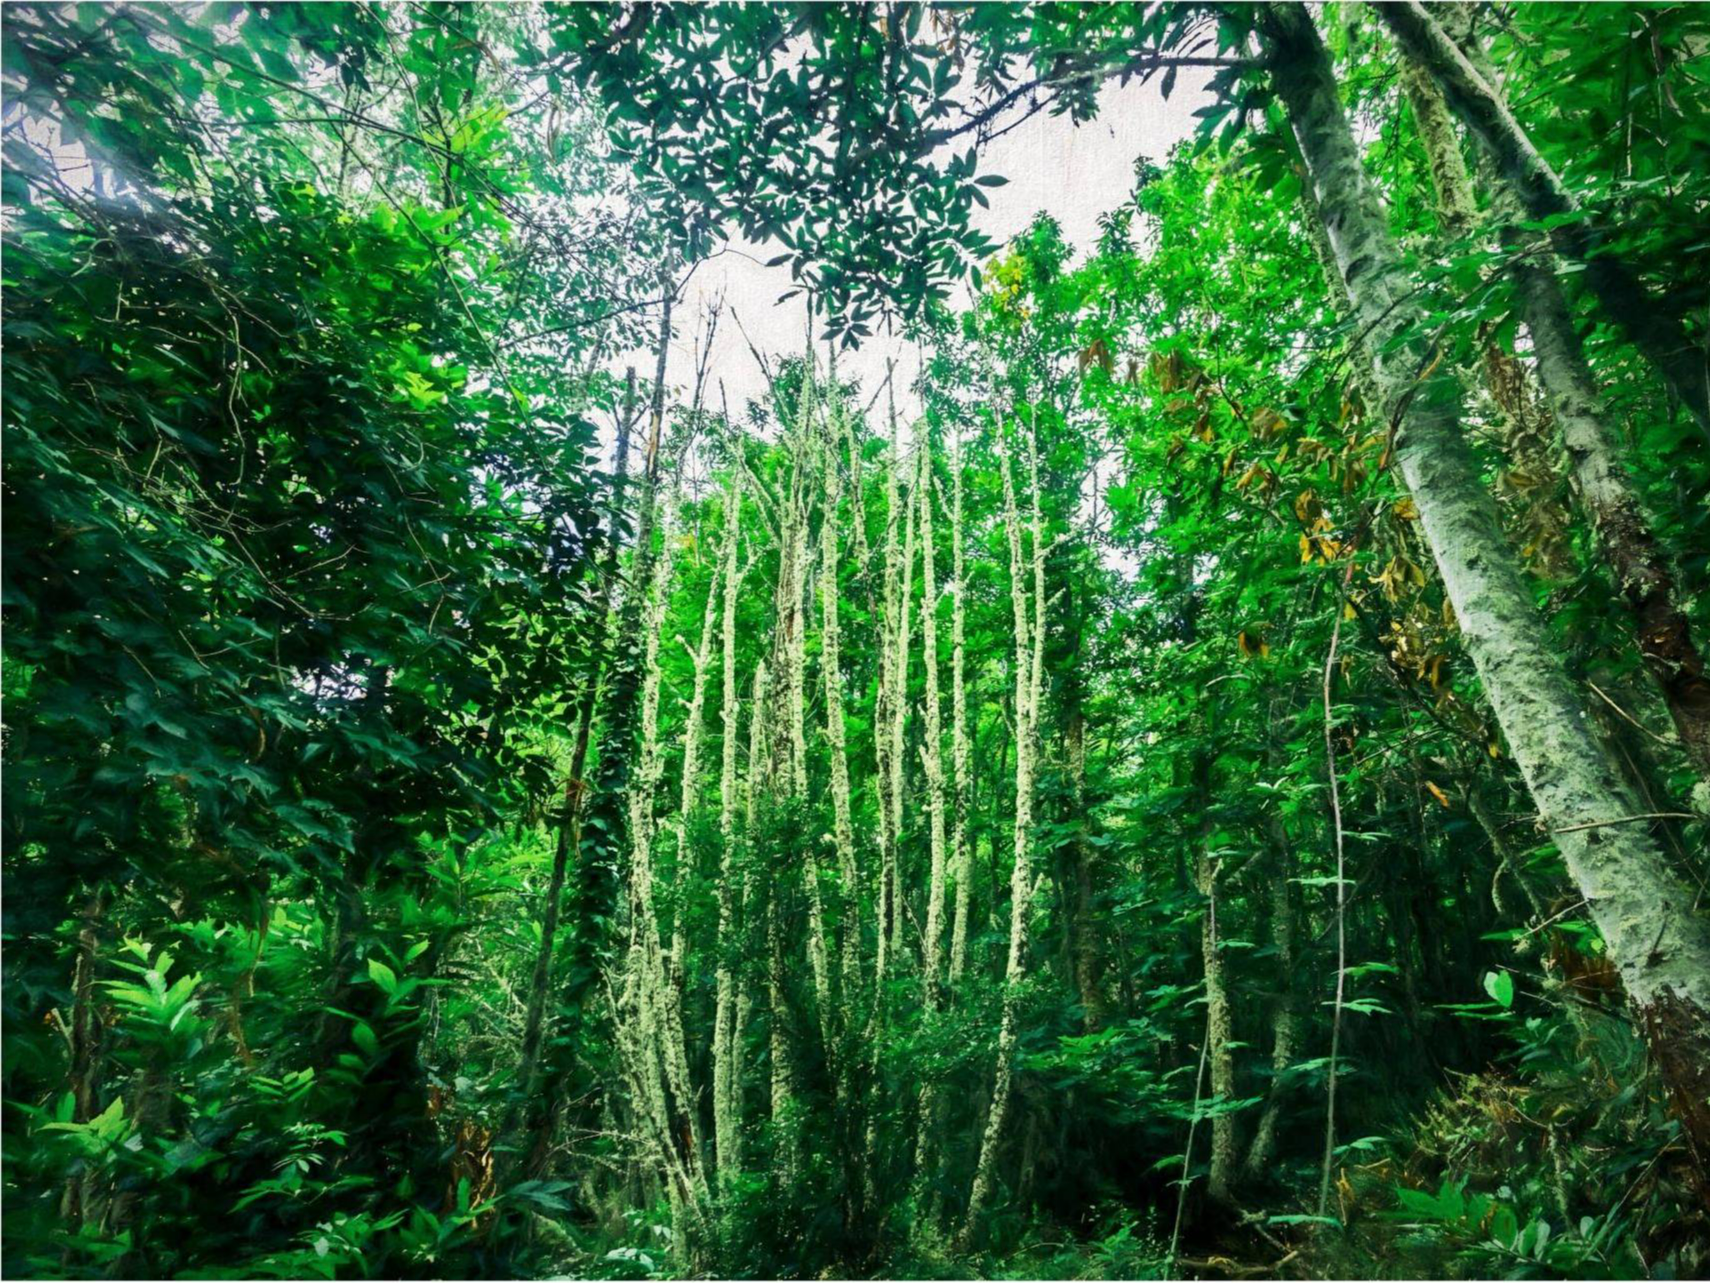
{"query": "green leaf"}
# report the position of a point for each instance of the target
(362, 1034)
(383, 975)
(1500, 986)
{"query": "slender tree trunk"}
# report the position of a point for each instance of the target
(701, 660)
(1219, 1024)
(897, 757)
(932, 756)
(882, 718)
(961, 752)
(604, 835)
(836, 734)
(764, 771)
(783, 1069)
(727, 1121)
(1624, 534)
(808, 458)
(800, 580)
(1659, 944)
(530, 1118)
(932, 759)
(890, 722)
(756, 781)
(1285, 1015)
(1083, 947)
(752, 889)
(82, 1203)
(661, 1034)
(1029, 649)
(857, 503)
(689, 780)
(1655, 331)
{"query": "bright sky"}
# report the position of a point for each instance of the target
(1075, 175)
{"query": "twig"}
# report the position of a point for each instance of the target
(1580, 904)
(1235, 1271)
(1628, 819)
(1628, 717)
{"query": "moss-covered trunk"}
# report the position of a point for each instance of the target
(1659, 943)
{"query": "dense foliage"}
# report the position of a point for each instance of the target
(1223, 790)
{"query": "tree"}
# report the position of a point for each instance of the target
(1664, 958)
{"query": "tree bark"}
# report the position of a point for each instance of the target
(836, 734)
(1285, 1015)
(897, 756)
(1653, 329)
(1624, 533)
(882, 718)
(1083, 947)
(81, 1203)
(1531, 481)
(1029, 653)
(1219, 1025)
(1643, 910)
(961, 752)
(727, 1122)
(660, 1032)
(932, 756)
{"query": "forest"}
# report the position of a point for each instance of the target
(1178, 753)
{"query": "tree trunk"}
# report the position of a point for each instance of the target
(932, 759)
(660, 1036)
(1532, 480)
(1285, 1015)
(1083, 947)
(1219, 1025)
(1660, 946)
(727, 1142)
(836, 734)
(530, 1118)
(882, 718)
(1655, 331)
(961, 752)
(932, 756)
(1029, 652)
(604, 834)
(897, 756)
(782, 1067)
(1457, 208)
(82, 1202)
(807, 456)
(1623, 531)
